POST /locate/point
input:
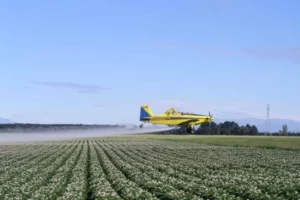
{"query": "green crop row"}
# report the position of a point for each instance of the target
(134, 169)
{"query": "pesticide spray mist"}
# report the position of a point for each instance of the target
(6, 138)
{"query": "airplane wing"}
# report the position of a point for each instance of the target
(187, 122)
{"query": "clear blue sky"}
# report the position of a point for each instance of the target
(98, 61)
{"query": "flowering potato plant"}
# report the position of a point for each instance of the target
(115, 169)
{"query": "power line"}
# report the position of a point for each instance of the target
(267, 125)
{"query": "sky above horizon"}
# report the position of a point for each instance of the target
(99, 61)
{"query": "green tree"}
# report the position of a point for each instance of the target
(254, 130)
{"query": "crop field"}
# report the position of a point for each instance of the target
(281, 142)
(130, 168)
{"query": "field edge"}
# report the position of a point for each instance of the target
(269, 142)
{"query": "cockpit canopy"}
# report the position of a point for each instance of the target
(174, 111)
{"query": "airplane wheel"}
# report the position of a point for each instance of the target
(190, 130)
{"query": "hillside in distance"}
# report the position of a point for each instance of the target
(5, 121)
(275, 124)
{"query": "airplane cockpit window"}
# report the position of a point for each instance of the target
(174, 112)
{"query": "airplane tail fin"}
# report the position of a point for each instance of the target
(146, 112)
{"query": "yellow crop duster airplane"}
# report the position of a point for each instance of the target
(173, 117)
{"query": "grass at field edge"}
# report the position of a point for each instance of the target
(270, 142)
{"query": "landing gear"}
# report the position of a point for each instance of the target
(142, 125)
(190, 130)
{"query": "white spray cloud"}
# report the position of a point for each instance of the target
(6, 138)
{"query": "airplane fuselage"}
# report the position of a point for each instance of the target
(173, 118)
(176, 119)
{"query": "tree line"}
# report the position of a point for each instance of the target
(230, 128)
(225, 128)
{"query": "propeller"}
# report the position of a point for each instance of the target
(210, 116)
